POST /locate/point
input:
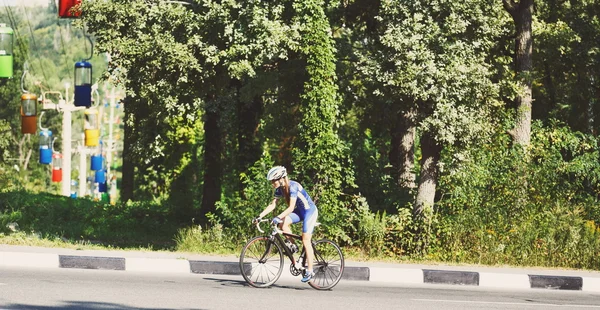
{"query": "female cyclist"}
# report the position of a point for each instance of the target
(300, 208)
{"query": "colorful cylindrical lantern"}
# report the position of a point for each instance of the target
(83, 84)
(92, 127)
(28, 114)
(6, 51)
(100, 176)
(69, 8)
(45, 147)
(56, 167)
(97, 162)
(102, 188)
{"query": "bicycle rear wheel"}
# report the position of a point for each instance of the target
(328, 265)
(261, 262)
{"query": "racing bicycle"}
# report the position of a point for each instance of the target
(262, 259)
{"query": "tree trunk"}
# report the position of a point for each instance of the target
(250, 148)
(521, 13)
(423, 207)
(582, 114)
(429, 176)
(402, 150)
(128, 169)
(213, 148)
(552, 105)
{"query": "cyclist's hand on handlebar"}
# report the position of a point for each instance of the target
(276, 220)
(256, 220)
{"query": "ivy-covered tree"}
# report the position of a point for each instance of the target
(319, 155)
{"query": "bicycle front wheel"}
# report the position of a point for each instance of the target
(261, 262)
(328, 265)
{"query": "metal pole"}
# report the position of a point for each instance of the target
(82, 168)
(66, 148)
(110, 129)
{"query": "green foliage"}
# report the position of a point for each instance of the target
(319, 155)
(430, 60)
(371, 232)
(128, 224)
(566, 62)
(436, 61)
(485, 220)
(236, 212)
(212, 240)
(379, 234)
(372, 168)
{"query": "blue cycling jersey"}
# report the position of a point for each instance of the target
(304, 210)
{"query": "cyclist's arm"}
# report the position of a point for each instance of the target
(269, 208)
(289, 209)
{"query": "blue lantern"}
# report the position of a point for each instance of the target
(97, 162)
(100, 176)
(83, 84)
(45, 147)
(102, 188)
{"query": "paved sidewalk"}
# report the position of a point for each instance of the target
(168, 262)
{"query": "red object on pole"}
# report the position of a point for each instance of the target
(69, 8)
(56, 167)
(57, 175)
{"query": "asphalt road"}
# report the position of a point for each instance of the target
(29, 288)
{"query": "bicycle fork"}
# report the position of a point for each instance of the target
(265, 255)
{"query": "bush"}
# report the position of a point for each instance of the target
(125, 224)
(211, 240)
(236, 211)
(498, 210)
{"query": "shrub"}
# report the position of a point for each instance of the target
(125, 224)
(498, 210)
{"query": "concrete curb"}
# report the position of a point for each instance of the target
(351, 273)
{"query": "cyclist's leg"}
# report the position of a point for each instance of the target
(306, 242)
(290, 219)
(307, 229)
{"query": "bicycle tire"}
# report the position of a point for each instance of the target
(261, 269)
(328, 265)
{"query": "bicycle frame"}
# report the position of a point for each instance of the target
(277, 236)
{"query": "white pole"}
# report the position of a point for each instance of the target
(82, 168)
(67, 84)
(110, 129)
(66, 148)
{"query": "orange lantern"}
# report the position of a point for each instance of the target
(28, 113)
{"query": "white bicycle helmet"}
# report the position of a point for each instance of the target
(276, 173)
